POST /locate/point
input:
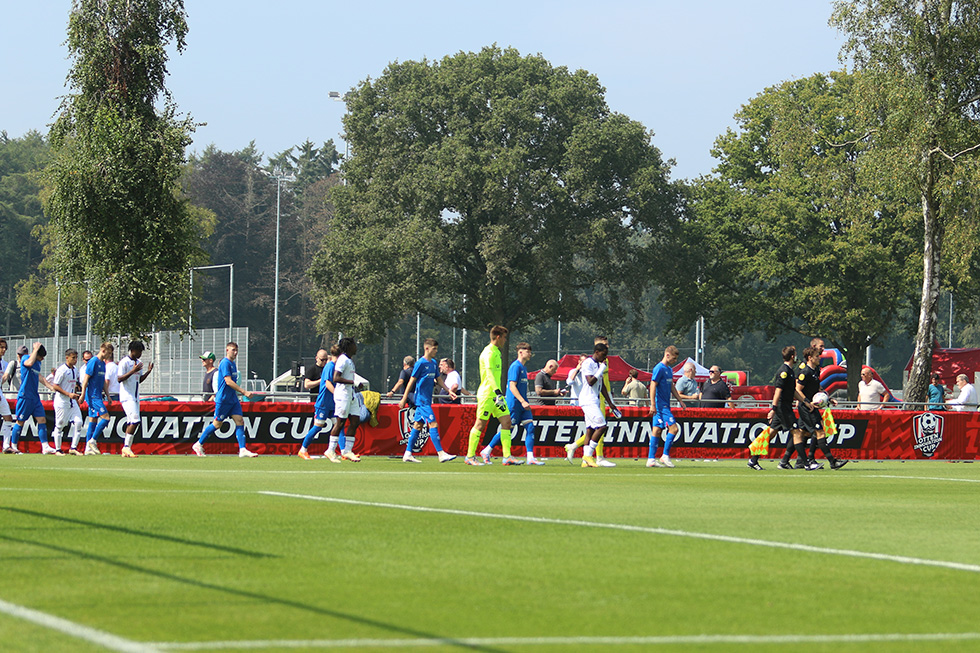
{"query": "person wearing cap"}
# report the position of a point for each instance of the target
(207, 361)
(937, 393)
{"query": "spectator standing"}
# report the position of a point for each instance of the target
(687, 386)
(207, 361)
(715, 391)
(452, 381)
(967, 398)
(311, 380)
(575, 381)
(5, 416)
(870, 392)
(408, 364)
(937, 394)
(544, 387)
(634, 388)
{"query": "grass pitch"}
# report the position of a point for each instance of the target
(172, 553)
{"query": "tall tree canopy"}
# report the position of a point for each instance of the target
(488, 188)
(921, 88)
(118, 220)
(791, 234)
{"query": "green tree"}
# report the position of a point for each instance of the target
(488, 188)
(117, 219)
(921, 87)
(790, 234)
(21, 161)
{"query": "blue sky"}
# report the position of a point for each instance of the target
(262, 70)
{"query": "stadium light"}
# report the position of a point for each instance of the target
(280, 178)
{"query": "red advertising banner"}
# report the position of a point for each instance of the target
(279, 428)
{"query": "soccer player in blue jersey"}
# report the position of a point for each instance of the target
(661, 388)
(94, 386)
(226, 404)
(517, 405)
(425, 377)
(28, 399)
(323, 407)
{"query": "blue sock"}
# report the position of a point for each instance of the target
(342, 439)
(413, 435)
(310, 435)
(15, 434)
(654, 443)
(206, 433)
(668, 442)
(42, 433)
(495, 441)
(529, 438)
(99, 428)
(240, 436)
(434, 436)
(89, 430)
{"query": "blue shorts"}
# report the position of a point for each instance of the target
(519, 414)
(663, 418)
(424, 413)
(28, 407)
(96, 408)
(322, 414)
(223, 411)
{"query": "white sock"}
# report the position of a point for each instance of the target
(349, 445)
(332, 445)
(56, 436)
(590, 449)
(76, 434)
(5, 429)
(129, 439)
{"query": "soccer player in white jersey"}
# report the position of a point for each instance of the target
(130, 377)
(345, 404)
(67, 412)
(7, 419)
(593, 369)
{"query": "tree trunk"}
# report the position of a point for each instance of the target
(856, 353)
(918, 382)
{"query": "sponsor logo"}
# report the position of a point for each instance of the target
(928, 431)
(405, 429)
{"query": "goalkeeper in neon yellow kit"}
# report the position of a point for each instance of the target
(491, 402)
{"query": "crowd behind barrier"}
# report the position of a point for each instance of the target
(277, 427)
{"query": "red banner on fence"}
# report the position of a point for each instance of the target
(279, 428)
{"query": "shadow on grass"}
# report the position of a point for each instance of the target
(129, 531)
(265, 598)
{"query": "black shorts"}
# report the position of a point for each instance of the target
(783, 418)
(810, 420)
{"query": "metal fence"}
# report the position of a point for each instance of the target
(177, 368)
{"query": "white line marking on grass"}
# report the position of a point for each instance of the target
(78, 631)
(907, 560)
(572, 641)
(930, 478)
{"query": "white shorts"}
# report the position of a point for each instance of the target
(132, 410)
(4, 406)
(344, 408)
(65, 415)
(593, 417)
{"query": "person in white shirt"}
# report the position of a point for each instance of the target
(7, 419)
(112, 374)
(345, 404)
(67, 412)
(130, 376)
(967, 399)
(870, 392)
(592, 372)
(574, 381)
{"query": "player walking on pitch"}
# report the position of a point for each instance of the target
(425, 377)
(661, 388)
(227, 404)
(781, 417)
(517, 405)
(94, 386)
(130, 378)
(593, 369)
(807, 385)
(28, 399)
(66, 408)
(345, 404)
(490, 400)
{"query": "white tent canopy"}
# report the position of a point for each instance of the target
(700, 371)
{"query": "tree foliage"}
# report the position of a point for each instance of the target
(791, 234)
(920, 85)
(488, 188)
(118, 221)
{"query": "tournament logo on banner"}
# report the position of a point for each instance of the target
(928, 431)
(405, 427)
